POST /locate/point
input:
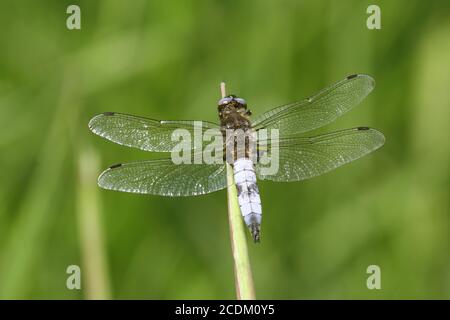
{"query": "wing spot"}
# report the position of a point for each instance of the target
(352, 76)
(363, 128)
(115, 166)
(108, 113)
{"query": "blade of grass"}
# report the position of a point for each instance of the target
(90, 232)
(242, 269)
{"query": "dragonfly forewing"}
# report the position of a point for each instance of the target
(319, 110)
(147, 134)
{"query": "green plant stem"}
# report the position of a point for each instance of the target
(96, 275)
(242, 270)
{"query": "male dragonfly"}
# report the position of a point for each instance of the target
(300, 157)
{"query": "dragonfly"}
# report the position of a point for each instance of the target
(300, 157)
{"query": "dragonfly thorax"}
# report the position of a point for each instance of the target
(233, 113)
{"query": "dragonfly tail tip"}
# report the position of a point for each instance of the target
(254, 228)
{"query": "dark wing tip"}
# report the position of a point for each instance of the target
(92, 123)
(380, 136)
(103, 181)
(115, 166)
(362, 75)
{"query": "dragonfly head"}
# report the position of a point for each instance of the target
(232, 103)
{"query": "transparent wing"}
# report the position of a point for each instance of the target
(303, 158)
(319, 110)
(164, 178)
(145, 134)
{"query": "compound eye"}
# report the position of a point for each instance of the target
(241, 101)
(225, 101)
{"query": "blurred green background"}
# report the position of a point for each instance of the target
(165, 60)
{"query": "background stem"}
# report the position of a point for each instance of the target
(242, 270)
(94, 271)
